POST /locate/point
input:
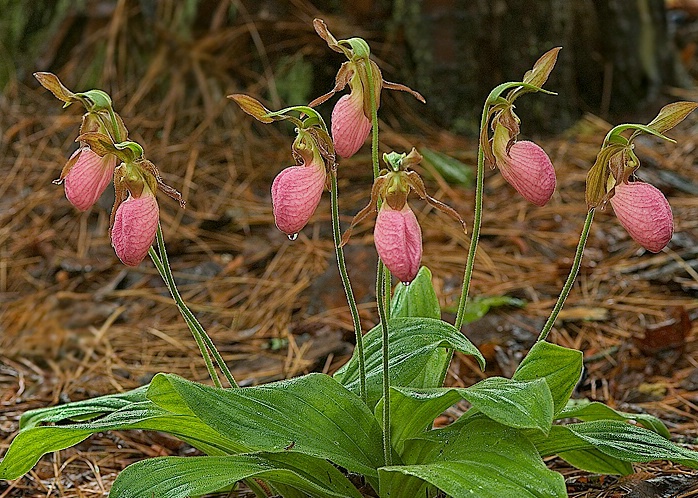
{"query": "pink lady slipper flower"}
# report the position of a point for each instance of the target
(397, 235)
(135, 226)
(525, 165)
(351, 116)
(90, 169)
(645, 213)
(135, 215)
(640, 207)
(350, 126)
(296, 191)
(86, 176)
(398, 240)
(295, 194)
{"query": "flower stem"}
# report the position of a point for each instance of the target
(382, 274)
(380, 289)
(351, 300)
(205, 343)
(477, 220)
(570, 278)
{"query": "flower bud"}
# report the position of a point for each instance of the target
(645, 213)
(528, 169)
(350, 126)
(88, 177)
(398, 240)
(295, 194)
(135, 226)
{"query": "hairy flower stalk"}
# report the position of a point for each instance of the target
(516, 162)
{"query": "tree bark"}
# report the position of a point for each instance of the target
(616, 56)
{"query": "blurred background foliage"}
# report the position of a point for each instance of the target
(618, 57)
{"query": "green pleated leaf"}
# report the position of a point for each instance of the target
(313, 414)
(519, 404)
(414, 410)
(487, 460)
(478, 307)
(32, 443)
(451, 169)
(577, 451)
(412, 343)
(588, 411)
(514, 403)
(631, 443)
(82, 410)
(418, 299)
(560, 367)
(178, 477)
(597, 462)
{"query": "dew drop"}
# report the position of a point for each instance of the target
(293, 236)
(406, 283)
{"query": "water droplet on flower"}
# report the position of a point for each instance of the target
(406, 283)
(293, 236)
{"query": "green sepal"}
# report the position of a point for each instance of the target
(359, 47)
(541, 70)
(614, 136)
(134, 147)
(101, 144)
(303, 109)
(97, 100)
(51, 82)
(494, 97)
(253, 107)
(598, 176)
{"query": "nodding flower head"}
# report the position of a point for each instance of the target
(525, 165)
(135, 215)
(296, 191)
(398, 240)
(295, 194)
(350, 126)
(645, 213)
(135, 226)
(86, 176)
(397, 235)
(351, 116)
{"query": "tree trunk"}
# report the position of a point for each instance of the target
(616, 55)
